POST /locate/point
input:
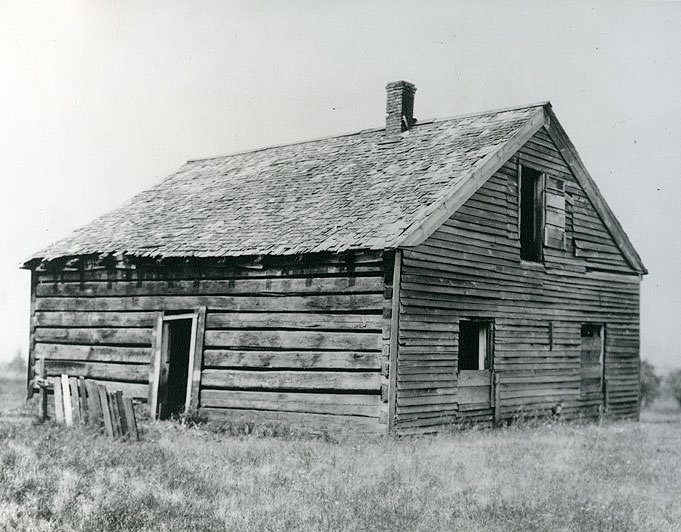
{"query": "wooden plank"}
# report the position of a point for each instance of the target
(115, 415)
(311, 422)
(138, 355)
(155, 369)
(106, 411)
(361, 262)
(42, 404)
(294, 340)
(292, 380)
(131, 389)
(196, 359)
(75, 401)
(58, 400)
(99, 370)
(94, 404)
(93, 336)
(83, 401)
(66, 397)
(497, 397)
(231, 303)
(267, 286)
(344, 404)
(130, 418)
(121, 413)
(93, 319)
(292, 320)
(292, 359)
(474, 378)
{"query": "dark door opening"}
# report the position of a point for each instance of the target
(177, 336)
(591, 362)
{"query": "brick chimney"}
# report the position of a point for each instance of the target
(399, 107)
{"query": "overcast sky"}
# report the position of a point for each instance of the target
(99, 100)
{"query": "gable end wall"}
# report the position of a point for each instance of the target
(470, 267)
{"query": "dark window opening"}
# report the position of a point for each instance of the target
(179, 333)
(475, 345)
(531, 214)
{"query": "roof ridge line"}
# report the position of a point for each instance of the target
(422, 122)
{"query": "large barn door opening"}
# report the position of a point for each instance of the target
(177, 364)
(476, 341)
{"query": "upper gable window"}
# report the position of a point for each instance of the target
(531, 214)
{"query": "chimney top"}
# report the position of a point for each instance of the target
(399, 107)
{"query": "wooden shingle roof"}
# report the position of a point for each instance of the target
(350, 192)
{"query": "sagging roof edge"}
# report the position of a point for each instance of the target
(440, 211)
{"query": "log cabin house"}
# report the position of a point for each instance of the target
(393, 280)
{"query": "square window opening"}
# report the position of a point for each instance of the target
(475, 345)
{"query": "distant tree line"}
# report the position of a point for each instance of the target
(653, 385)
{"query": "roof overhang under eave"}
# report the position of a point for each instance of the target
(442, 210)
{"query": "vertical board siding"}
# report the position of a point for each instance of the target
(295, 339)
(470, 267)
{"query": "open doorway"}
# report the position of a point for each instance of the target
(175, 360)
(591, 361)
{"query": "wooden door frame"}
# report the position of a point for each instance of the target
(194, 364)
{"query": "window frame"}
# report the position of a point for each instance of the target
(539, 218)
(480, 323)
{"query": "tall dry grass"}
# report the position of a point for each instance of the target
(615, 477)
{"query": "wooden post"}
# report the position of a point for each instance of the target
(155, 372)
(196, 360)
(394, 341)
(497, 397)
(130, 418)
(75, 402)
(83, 400)
(94, 404)
(66, 396)
(106, 413)
(121, 412)
(115, 415)
(42, 405)
(58, 400)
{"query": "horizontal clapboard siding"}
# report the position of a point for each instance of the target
(470, 268)
(300, 338)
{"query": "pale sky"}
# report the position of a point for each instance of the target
(100, 99)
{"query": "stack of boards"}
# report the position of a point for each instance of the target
(85, 402)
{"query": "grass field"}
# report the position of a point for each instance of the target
(614, 477)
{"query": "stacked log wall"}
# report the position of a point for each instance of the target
(470, 268)
(299, 342)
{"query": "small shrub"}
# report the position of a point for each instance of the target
(193, 417)
(673, 384)
(650, 383)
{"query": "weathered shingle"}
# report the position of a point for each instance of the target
(347, 192)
